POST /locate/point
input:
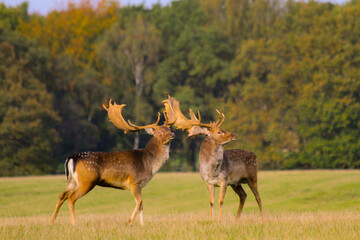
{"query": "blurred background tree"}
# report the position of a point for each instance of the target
(28, 122)
(286, 75)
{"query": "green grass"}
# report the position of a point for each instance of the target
(319, 204)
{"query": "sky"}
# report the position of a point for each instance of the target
(44, 6)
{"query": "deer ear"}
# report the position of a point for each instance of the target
(149, 131)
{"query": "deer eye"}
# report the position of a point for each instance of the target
(159, 132)
(219, 132)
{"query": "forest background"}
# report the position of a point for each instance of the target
(285, 73)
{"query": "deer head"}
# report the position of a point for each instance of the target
(194, 125)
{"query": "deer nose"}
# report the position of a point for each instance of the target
(172, 134)
(234, 136)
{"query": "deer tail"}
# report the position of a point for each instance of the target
(69, 168)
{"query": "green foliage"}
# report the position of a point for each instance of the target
(298, 90)
(286, 75)
(10, 16)
(27, 120)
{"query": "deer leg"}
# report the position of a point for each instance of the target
(61, 200)
(253, 187)
(141, 214)
(242, 195)
(72, 210)
(211, 190)
(80, 191)
(136, 191)
(221, 197)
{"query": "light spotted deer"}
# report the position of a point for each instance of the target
(130, 170)
(218, 167)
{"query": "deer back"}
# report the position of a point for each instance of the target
(242, 165)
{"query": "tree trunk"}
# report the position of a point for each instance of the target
(138, 69)
(136, 141)
(139, 81)
(192, 155)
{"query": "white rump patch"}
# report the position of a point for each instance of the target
(71, 166)
(73, 180)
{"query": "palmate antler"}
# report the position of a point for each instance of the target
(115, 116)
(173, 112)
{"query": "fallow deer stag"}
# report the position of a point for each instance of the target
(218, 167)
(130, 170)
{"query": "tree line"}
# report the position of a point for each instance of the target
(285, 73)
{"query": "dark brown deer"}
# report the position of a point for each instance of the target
(218, 167)
(130, 170)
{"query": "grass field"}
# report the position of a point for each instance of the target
(319, 204)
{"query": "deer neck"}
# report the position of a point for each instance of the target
(156, 154)
(211, 155)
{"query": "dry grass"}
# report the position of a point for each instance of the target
(297, 205)
(339, 225)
